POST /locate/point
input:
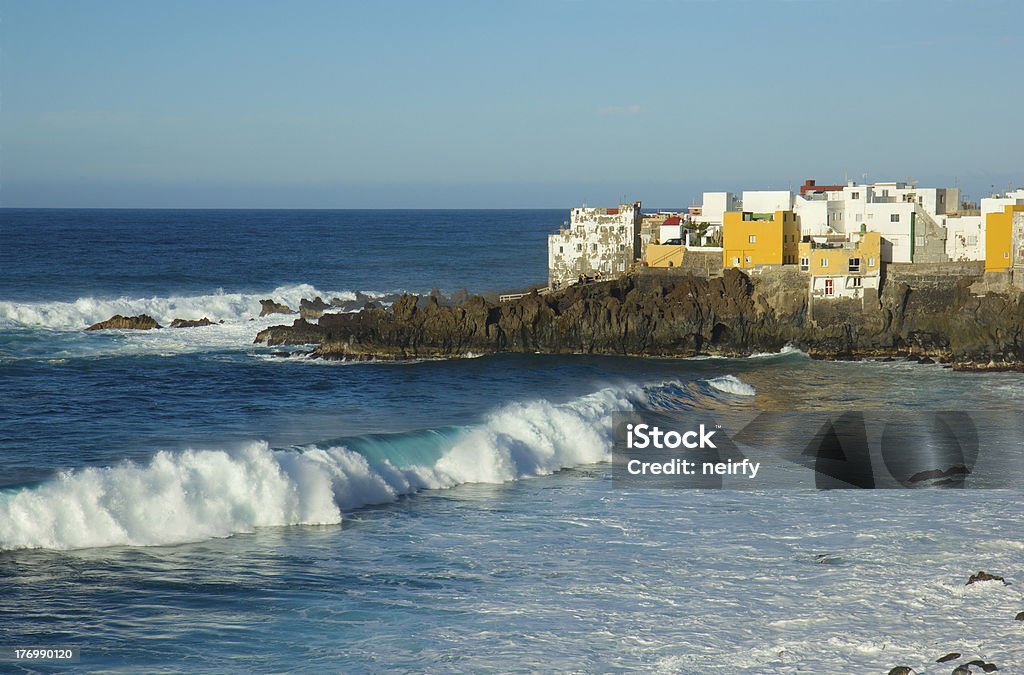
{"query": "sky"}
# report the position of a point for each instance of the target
(486, 104)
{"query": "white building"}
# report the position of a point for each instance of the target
(820, 214)
(910, 219)
(714, 206)
(996, 203)
(597, 242)
(965, 237)
(766, 201)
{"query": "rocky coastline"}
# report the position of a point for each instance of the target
(682, 315)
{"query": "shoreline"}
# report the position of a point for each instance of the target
(735, 315)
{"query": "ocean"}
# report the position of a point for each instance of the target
(183, 500)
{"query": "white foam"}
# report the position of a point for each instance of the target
(788, 349)
(217, 306)
(200, 494)
(731, 384)
(236, 318)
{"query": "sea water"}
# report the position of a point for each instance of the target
(182, 500)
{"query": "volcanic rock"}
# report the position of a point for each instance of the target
(140, 322)
(984, 576)
(188, 323)
(271, 307)
(652, 315)
(312, 309)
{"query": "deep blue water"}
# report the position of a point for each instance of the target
(180, 500)
(70, 253)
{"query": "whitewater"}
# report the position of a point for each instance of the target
(199, 494)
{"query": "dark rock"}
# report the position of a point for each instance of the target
(140, 322)
(301, 332)
(271, 307)
(1019, 617)
(312, 309)
(987, 667)
(961, 670)
(932, 474)
(948, 657)
(984, 576)
(645, 315)
(926, 360)
(187, 323)
(902, 670)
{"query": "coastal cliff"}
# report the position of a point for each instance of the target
(648, 315)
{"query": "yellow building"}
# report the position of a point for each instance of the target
(842, 268)
(754, 239)
(1004, 239)
(665, 255)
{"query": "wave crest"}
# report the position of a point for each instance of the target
(218, 306)
(201, 494)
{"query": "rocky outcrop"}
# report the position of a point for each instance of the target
(301, 332)
(140, 322)
(189, 323)
(984, 576)
(312, 309)
(271, 307)
(683, 316)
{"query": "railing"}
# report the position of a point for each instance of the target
(508, 297)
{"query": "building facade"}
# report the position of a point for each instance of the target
(597, 242)
(751, 240)
(842, 268)
(1004, 239)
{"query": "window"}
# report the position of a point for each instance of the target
(579, 248)
(854, 195)
(829, 287)
(824, 262)
(593, 247)
(805, 264)
(747, 259)
(854, 265)
(561, 249)
(972, 240)
(622, 247)
(894, 218)
(752, 239)
(860, 216)
(735, 262)
(871, 262)
(855, 282)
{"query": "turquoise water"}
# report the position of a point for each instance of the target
(180, 500)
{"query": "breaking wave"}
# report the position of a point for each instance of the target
(218, 306)
(731, 384)
(195, 495)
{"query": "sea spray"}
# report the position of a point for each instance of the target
(216, 306)
(195, 495)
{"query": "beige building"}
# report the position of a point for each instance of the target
(597, 242)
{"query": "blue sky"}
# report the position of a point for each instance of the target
(394, 104)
